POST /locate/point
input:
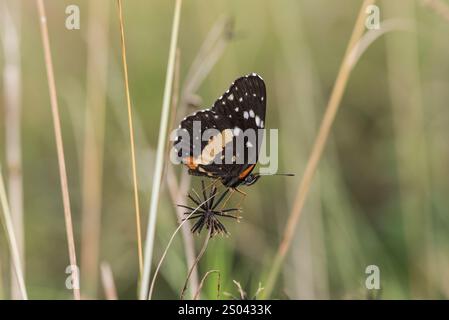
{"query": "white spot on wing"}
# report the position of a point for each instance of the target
(249, 144)
(237, 131)
(236, 109)
(245, 115)
(240, 99)
(231, 97)
(251, 113)
(257, 120)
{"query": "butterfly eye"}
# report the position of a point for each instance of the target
(251, 179)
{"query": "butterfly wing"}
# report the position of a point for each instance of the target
(240, 108)
(244, 107)
(189, 143)
(242, 102)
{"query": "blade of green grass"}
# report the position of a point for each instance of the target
(157, 178)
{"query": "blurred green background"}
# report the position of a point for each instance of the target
(380, 196)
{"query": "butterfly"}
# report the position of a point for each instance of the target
(223, 142)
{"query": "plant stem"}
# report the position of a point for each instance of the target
(12, 80)
(11, 237)
(59, 147)
(107, 279)
(93, 146)
(131, 138)
(159, 165)
(183, 222)
(200, 255)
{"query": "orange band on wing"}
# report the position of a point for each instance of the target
(190, 163)
(246, 172)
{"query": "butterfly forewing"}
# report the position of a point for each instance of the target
(245, 99)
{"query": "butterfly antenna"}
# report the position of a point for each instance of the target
(274, 174)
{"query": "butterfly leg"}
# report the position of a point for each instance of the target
(227, 199)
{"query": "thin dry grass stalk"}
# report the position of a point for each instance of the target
(172, 183)
(198, 292)
(370, 36)
(317, 149)
(107, 280)
(11, 237)
(92, 162)
(184, 221)
(209, 53)
(159, 165)
(177, 196)
(195, 263)
(131, 137)
(156, 271)
(2, 284)
(10, 36)
(59, 147)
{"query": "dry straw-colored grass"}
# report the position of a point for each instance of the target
(206, 275)
(10, 16)
(161, 260)
(131, 138)
(12, 240)
(59, 147)
(317, 150)
(208, 55)
(195, 263)
(108, 282)
(93, 144)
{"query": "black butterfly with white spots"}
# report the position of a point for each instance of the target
(230, 152)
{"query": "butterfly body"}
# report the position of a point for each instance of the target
(223, 142)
